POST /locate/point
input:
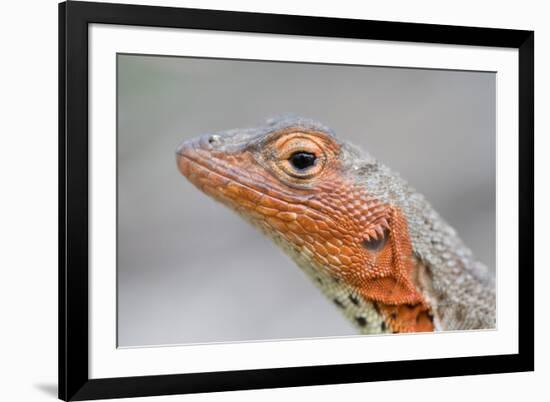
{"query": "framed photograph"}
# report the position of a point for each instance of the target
(382, 179)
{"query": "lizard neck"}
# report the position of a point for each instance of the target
(382, 268)
(356, 304)
(459, 289)
(363, 314)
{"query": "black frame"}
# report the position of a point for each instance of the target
(74, 382)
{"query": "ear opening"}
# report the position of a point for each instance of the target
(393, 289)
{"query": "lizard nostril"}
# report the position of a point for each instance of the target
(214, 139)
(209, 141)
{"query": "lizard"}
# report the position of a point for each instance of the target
(368, 240)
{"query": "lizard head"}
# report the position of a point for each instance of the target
(295, 181)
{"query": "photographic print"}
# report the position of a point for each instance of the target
(256, 200)
(378, 184)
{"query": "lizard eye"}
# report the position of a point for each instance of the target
(298, 156)
(302, 160)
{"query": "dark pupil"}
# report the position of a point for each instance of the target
(302, 160)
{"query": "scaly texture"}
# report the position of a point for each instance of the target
(371, 243)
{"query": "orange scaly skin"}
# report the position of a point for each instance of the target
(320, 213)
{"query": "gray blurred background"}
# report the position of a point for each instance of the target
(189, 270)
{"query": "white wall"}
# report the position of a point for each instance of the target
(28, 210)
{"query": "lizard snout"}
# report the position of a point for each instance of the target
(186, 152)
(196, 149)
(205, 142)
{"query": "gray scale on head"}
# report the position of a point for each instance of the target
(235, 140)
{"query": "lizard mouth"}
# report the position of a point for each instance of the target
(209, 178)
